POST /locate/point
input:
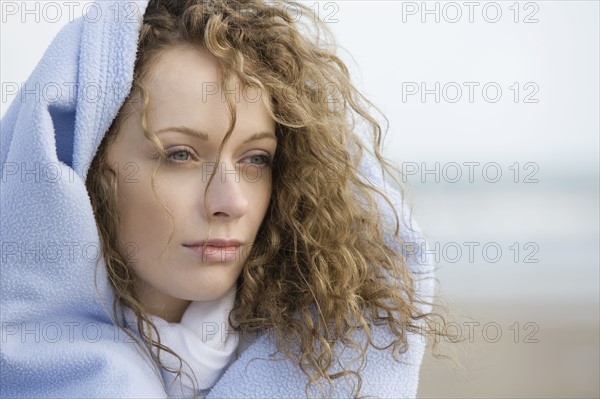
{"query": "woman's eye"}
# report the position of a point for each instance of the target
(179, 155)
(260, 160)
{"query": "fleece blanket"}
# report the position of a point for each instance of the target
(57, 336)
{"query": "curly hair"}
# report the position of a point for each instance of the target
(320, 266)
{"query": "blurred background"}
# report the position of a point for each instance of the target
(493, 111)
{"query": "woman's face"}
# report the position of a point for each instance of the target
(189, 112)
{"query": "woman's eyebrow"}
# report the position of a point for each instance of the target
(260, 135)
(186, 130)
(204, 136)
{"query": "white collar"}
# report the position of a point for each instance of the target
(204, 339)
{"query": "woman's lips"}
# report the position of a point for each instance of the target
(211, 253)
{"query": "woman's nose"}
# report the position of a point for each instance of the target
(226, 195)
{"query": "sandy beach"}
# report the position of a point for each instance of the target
(537, 355)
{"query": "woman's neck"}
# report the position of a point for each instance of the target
(164, 306)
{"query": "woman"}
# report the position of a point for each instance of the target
(243, 248)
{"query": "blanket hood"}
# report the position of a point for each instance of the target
(57, 339)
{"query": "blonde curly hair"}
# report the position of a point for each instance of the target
(320, 266)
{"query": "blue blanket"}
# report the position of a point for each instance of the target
(58, 339)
